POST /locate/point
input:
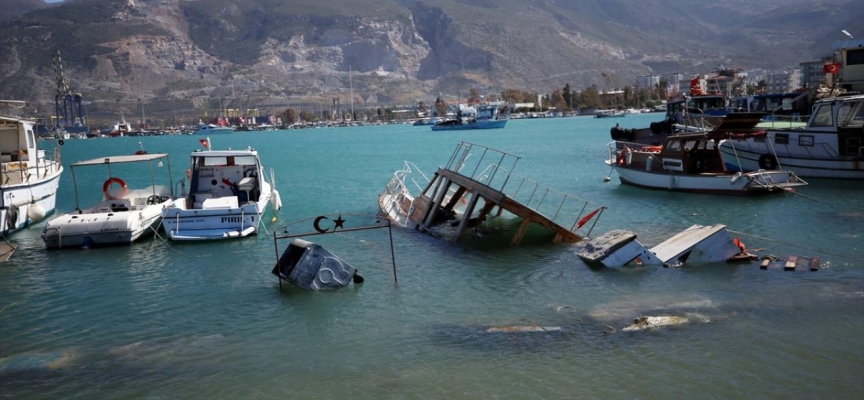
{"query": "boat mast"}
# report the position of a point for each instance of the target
(351, 84)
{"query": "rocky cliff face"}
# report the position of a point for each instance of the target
(190, 55)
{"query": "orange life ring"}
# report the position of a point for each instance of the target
(118, 181)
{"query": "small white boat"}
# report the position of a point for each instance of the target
(30, 178)
(692, 163)
(121, 217)
(210, 129)
(228, 196)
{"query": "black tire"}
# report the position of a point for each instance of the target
(768, 162)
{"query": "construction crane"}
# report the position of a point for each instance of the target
(69, 106)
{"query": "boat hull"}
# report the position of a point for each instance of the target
(214, 224)
(101, 229)
(497, 124)
(757, 183)
(42, 192)
(747, 155)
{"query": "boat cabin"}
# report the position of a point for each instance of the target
(224, 179)
(843, 115)
(792, 103)
(18, 151)
(686, 154)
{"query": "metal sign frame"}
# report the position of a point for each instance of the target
(338, 226)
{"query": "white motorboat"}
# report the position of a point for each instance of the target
(28, 190)
(228, 196)
(121, 217)
(830, 146)
(692, 163)
(211, 129)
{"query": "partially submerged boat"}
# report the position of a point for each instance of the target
(696, 244)
(228, 195)
(311, 267)
(30, 177)
(121, 217)
(830, 146)
(692, 162)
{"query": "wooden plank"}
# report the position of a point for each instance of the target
(791, 262)
(523, 227)
(467, 215)
(814, 263)
(455, 199)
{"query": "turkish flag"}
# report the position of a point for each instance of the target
(831, 68)
(205, 143)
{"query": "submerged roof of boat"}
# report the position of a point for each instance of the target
(225, 153)
(121, 159)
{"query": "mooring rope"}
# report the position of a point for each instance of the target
(798, 245)
(156, 232)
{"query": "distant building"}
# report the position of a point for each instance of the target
(783, 82)
(672, 82)
(811, 74)
(852, 64)
(647, 81)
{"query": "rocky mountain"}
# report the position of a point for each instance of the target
(194, 55)
(13, 8)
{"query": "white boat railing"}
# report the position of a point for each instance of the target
(398, 192)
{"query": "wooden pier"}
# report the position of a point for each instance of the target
(455, 193)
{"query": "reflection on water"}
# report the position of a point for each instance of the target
(209, 320)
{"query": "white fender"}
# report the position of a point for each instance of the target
(36, 212)
(735, 177)
(275, 200)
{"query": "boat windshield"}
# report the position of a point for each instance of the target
(235, 160)
(823, 117)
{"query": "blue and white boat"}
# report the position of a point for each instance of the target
(210, 129)
(486, 117)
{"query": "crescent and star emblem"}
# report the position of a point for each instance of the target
(337, 223)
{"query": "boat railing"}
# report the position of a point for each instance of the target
(399, 191)
(461, 163)
(23, 171)
(564, 209)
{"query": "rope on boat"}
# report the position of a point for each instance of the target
(156, 233)
(798, 245)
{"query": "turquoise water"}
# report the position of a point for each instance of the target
(208, 320)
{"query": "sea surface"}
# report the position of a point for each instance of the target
(165, 320)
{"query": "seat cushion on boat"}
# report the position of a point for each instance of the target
(221, 202)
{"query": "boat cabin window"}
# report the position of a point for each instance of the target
(805, 140)
(858, 119)
(843, 112)
(31, 142)
(781, 138)
(707, 145)
(672, 145)
(234, 160)
(823, 117)
(690, 144)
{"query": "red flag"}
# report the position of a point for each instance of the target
(831, 68)
(205, 143)
(587, 218)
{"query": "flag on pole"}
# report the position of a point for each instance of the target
(587, 218)
(205, 143)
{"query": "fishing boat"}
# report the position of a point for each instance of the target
(487, 116)
(28, 190)
(211, 129)
(831, 145)
(119, 129)
(122, 216)
(691, 162)
(228, 195)
(609, 114)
